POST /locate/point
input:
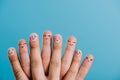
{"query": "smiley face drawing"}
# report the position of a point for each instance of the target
(57, 39)
(89, 59)
(46, 36)
(71, 42)
(22, 45)
(11, 51)
(78, 52)
(33, 37)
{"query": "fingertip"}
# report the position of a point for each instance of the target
(12, 54)
(47, 37)
(78, 52)
(57, 40)
(90, 56)
(58, 35)
(34, 40)
(47, 32)
(73, 38)
(71, 43)
(33, 37)
(11, 51)
(77, 55)
(21, 41)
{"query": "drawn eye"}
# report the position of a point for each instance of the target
(44, 35)
(86, 57)
(91, 59)
(49, 35)
(69, 41)
(74, 42)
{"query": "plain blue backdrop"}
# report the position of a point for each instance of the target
(95, 23)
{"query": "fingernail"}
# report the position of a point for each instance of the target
(11, 50)
(33, 37)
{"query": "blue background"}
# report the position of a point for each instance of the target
(95, 23)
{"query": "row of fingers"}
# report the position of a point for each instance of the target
(50, 61)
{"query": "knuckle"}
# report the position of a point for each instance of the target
(35, 62)
(17, 74)
(55, 63)
(72, 71)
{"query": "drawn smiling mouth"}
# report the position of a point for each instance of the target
(71, 44)
(57, 40)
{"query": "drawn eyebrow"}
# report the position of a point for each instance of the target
(22, 44)
(25, 43)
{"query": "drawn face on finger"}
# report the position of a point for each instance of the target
(89, 58)
(22, 45)
(33, 37)
(11, 51)
(57, 39)
(46, 36)
(78, 52)
(71, 42)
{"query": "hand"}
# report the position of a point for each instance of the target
(49, 65)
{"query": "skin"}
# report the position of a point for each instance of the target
(48, 63)
(67, 56)
(24, 57)
(46, 50)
